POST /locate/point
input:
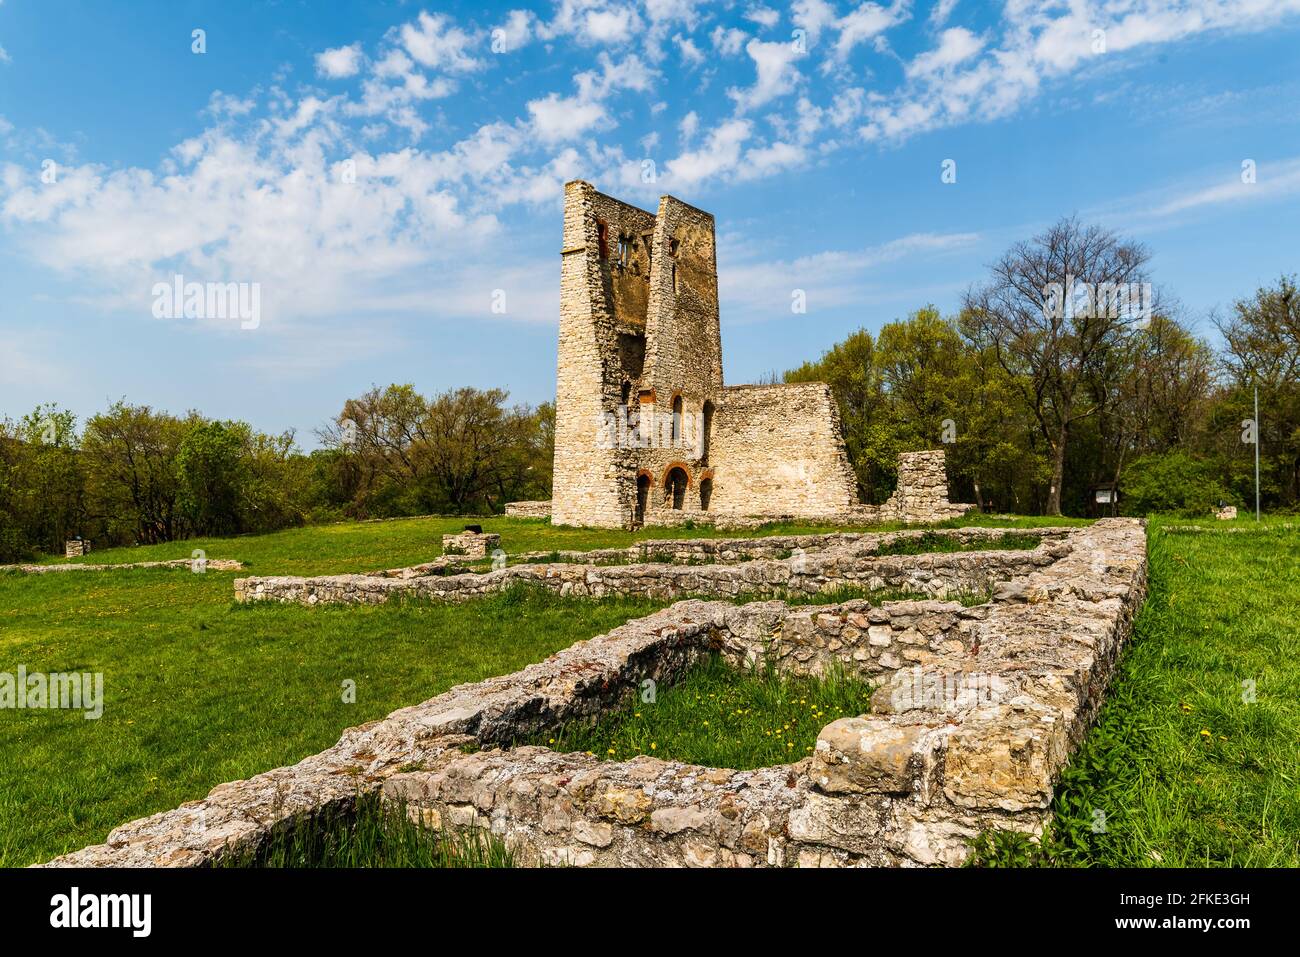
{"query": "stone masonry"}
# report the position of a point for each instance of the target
(471, 544)
(974, 714)
(645, 431)
(780, 565)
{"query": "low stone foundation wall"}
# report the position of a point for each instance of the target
(537, 509)
(975, 713)
(210, 564)
(813, 564)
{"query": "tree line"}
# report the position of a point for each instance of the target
(133, 474)
(1064, 372)
(1068, 371)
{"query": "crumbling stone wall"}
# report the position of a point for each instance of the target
(834, 561)
(922, 493)
(471, 544)
(781, 450)
(972, 735)
(645, 432)
(533, 509)
(209, 564)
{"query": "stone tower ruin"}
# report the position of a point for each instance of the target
(645, 431)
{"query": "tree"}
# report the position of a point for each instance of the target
(1056, 305)
(132, 485)
(1262, 337)
(849, 369)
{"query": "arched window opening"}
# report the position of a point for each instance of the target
(706, 493)
(675, 488)
(642, 496)
(706, 427)
(602, 238)
(677, 420)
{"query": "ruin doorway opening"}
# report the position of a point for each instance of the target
(642, 496)
(675, 488)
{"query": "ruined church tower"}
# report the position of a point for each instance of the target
(643, 425)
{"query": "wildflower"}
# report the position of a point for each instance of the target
(653, 746)
(1205, 733)
(611, 750)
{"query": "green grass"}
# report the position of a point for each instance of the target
(368, 546)
(723, 717)
(929, 542)
(1182, 769)
(199, 691)
(372, 835)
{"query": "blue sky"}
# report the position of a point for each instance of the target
(815, 131)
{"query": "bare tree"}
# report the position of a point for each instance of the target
(1055, 308)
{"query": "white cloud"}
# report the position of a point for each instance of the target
(691, 54)
(556, 119)
(941, 11)
(761, 288)
(728, 40)
(777, 74)
(717, 157)
(812, 16)
(593, 22)
(434, 42)
(868, 21)
(763, 16)
(956, 45)
(514, 33)
(767, 160)
(689, 126)
(339, 62)
(1274, 181)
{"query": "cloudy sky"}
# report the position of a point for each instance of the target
(381, 169)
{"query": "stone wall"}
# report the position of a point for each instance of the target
(781, 449)
(535, 509)
(210, 564)
(922, 493)
(471, 544)
(835, 561)
(975, 714)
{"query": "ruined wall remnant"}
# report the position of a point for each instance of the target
(780, 565)
(471, 544)
(645, 433)
(922, 493)
(974, 714)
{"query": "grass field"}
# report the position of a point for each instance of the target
(1195, 758)
(200, 691)
(721, 717)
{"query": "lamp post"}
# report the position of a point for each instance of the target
(1257, 452)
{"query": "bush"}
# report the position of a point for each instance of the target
(1173, 482)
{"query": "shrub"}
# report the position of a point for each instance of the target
(1172, 482)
